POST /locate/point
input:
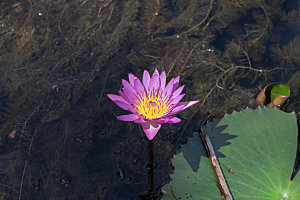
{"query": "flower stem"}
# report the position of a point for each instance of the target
(150, 166)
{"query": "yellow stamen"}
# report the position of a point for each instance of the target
(152, 105)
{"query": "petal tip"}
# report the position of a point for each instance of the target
(151, 128)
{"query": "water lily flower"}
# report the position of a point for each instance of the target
(151, 101)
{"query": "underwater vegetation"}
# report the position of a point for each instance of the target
(287, 55)
(59, 134)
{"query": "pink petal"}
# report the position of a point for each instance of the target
(155, 72)
(131, 79)
(140, 121)
(114, 97)
(181, 106)
(154, 82)
(177, 99)
(139, 86)
(130, 117)
(151, 128)
(129, 87)
(173, 120)
(120, 101)
(129, 94)
(146, 80)
(177, 92)
(190, 103)
(123, 105)
(132, 110)
(176, 82)
(125, 97)
(163, 120)
(169, 89)
(163, 80)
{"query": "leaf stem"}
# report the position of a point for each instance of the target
(222, 184)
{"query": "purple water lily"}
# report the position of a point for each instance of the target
(151, 102)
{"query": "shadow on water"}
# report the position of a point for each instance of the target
(60, 138)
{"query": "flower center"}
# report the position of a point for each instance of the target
(152, 105)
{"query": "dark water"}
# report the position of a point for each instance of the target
(59, 59)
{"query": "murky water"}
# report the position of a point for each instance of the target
(60, 138)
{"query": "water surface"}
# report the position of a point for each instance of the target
(59, 59)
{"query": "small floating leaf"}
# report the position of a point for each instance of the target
(273, 95)
(277, 89)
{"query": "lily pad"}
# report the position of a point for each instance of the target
(259, 161)
(256, 150)
(193, 177)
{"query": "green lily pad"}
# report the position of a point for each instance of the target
(259, 161)
(193, 177)
(276, 89)
(256, 150)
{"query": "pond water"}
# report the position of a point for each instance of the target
(60, 138)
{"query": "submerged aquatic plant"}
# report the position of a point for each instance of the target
(288, 54)
(151, 102)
